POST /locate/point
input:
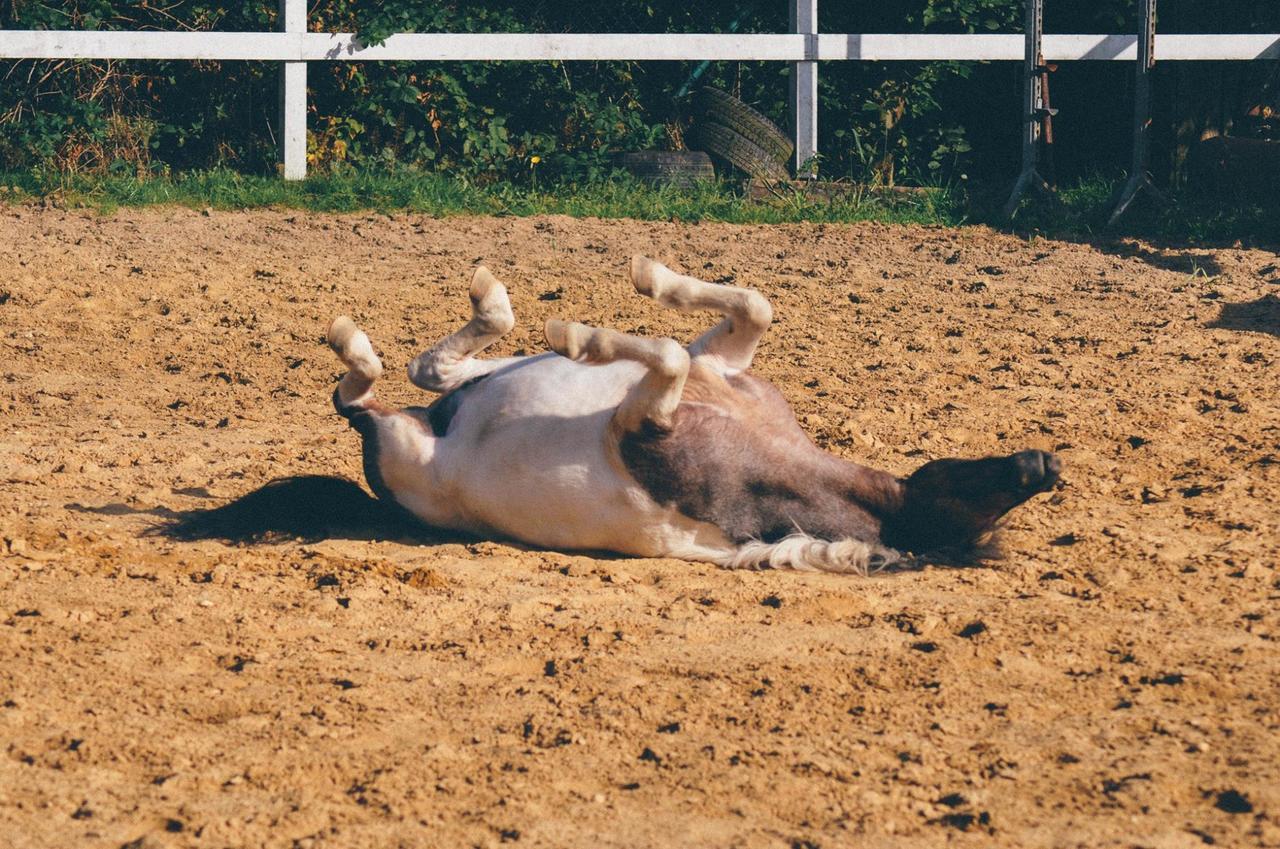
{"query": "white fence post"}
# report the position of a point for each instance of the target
(804, 88)
(293, 96)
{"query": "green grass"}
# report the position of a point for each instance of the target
(1079, 211)
(435, 194)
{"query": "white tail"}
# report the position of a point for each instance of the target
(803, 553)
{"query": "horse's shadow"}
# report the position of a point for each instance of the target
(304, 507)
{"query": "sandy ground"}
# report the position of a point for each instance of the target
(1114, 682)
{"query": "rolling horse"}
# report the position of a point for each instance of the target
(647, 447)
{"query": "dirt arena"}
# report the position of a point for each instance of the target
(1115, 681)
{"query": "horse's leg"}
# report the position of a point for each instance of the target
(452, 362)
(397, 446)
(355, 389)
(729, 346)
(654, 399)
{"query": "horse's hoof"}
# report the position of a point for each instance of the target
(340, 334)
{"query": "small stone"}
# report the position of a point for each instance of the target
(866, 439)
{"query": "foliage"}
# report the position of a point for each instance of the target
(929, 123)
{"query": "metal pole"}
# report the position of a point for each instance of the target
(804, 89)
(1033, 109)
(1139, 173)
(293, 97)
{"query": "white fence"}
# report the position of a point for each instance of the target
(804, 47)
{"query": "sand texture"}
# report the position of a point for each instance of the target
(1114, 682)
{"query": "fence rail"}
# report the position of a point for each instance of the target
(804, 47)
(476, 47)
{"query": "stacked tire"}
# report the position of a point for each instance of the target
(733, 131)
(682, 168)
(729, 130)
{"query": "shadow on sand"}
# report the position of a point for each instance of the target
(1260, 316)
(306, 507)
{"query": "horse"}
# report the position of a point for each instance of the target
(644, 447)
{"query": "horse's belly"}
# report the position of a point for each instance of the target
(529, 455)
(558, 484)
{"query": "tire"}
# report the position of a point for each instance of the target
(681, 168)
(738, 150)
(717, 107)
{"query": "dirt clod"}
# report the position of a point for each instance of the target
(1233, 802)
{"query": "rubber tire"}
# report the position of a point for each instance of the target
(681, 168)
(726, 110)
(739, 151)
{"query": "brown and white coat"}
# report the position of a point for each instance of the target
(645, 447)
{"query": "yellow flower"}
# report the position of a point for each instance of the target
(534, 160)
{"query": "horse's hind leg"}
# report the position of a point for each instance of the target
(452, 362)
(397, 446)
(355, 389)
(731, 344)
(654, 399)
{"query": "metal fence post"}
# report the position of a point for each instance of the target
(1139, 176)
(293, 96)
(1033, 109)
(804, 88)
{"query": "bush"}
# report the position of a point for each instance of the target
(521, 121)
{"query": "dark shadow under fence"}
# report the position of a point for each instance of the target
(1260, 316)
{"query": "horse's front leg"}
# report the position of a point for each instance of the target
(727, 348)
(452, 362)
(651, 402)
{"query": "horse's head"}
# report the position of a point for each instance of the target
(955, 504)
